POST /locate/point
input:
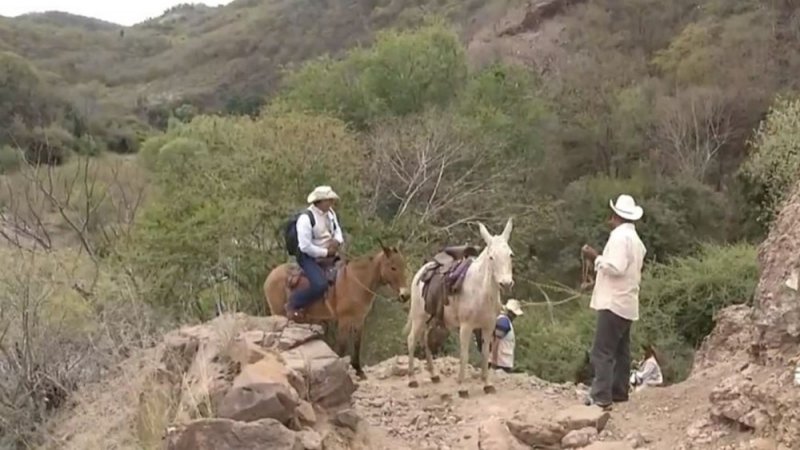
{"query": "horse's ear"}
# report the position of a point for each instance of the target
(386, 250)
(507, 229)
(487, 237)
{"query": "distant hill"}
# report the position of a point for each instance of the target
(207, 55)
(63, 19)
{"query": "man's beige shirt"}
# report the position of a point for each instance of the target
(619, 272)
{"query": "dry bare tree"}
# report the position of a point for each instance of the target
(692, 128)
(422, 168)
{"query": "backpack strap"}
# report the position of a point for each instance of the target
(311, 218)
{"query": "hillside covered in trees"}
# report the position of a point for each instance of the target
(426, 116)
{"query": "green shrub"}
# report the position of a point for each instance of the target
(10, 159)
(693, 288)
(223, 186)
(773, 165)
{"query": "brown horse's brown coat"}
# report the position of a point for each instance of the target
(351, 296)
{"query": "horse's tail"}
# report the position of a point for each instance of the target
(407, 327)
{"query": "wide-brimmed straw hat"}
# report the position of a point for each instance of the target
(514, 306)
(321, 193)
(626, 208)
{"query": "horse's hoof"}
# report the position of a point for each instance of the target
(463, 393)
(413, 384)
(489, 389)
(361, 376)
(435, 379)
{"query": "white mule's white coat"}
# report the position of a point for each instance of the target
(476, 306)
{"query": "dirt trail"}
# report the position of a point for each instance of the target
(434, 417)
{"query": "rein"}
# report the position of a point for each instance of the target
(347, 260)
(587, 280)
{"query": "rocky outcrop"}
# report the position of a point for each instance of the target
(760, 346)
(537, 12)
(732, 339)
(215, 434)
(777, 306)
(249, 383)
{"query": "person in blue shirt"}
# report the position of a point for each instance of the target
(503, 341)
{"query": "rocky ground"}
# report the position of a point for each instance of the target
(242, 382)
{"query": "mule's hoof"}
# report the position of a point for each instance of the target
(489, 389)
(435, 379)
(413, 384)
(463, 393)
(361, 376)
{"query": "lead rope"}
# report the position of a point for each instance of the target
(587, 280)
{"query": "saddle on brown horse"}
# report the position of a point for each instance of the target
(297, 279)
(445, 278)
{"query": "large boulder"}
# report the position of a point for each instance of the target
(493, 434)
(536, 432)
(327, 381)
(578, 417)
(259, 401)
(579, 438)
(217, 434)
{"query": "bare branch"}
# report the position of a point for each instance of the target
(695, 125)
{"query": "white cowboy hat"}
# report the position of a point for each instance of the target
(513, 306)
(626, 208)
(321, 193)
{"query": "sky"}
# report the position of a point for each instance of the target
(123, 12)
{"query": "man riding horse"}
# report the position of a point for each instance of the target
(319, 237)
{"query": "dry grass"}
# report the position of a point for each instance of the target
(133, 406)
(91, 202)
(56, 336)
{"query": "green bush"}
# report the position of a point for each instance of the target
(773, 165)
(402, 73)
(693, 288)
(10, 159)
(223, 186)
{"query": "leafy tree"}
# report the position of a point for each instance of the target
(224, 186)
(773, 165)
(402, 73)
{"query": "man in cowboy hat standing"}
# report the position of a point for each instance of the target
(322, 240)
(504, 340)
(616, 300)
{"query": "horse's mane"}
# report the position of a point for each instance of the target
(363, 261)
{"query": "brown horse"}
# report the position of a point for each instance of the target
(349, 300)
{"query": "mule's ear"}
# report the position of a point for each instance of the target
(487, 237)
(507, 229)
(386, 250)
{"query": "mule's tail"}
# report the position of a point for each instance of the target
(407, 327)
(416, 296)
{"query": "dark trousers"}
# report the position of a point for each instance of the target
(317, 280)
(611, 358)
